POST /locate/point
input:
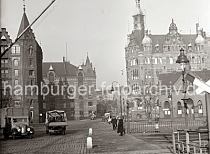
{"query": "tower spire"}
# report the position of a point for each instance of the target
(24, 6)
(138, 5)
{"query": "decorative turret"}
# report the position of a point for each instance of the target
(87, 61)
(200, 39)
(173, 28)
(51, 68)
(146, 40)
(138, 7)
(80, 68)
(138, 18)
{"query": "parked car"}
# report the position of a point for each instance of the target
(17, 126)
(15, 122)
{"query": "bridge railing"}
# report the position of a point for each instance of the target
(163, 126)
(189, 142)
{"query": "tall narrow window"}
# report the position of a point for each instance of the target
(31, 72)
(16, 82)
(16, 72)
(30, 50)
(15, 62)
(30, 62)
(179, 108)
(200, 107)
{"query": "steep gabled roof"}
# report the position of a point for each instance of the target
(157, 39)
(62, 69)
(24, 23)
(171, 78)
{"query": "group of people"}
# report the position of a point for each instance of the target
(119, 126)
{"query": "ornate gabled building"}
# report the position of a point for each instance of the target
(5, 66)
(148, 55)
(170, 103)
(26, 59)
(77, 105)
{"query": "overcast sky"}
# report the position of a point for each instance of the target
(100, 27)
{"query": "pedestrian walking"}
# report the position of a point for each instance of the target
(114, 122)
(109, 120)
(120, 128)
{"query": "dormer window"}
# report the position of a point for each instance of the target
(189, 47)
(51, 76)
(157, 48)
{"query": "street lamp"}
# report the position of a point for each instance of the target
(112, 89)
(171, 102)
(183, 61)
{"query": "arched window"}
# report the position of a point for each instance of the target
(166, 105)
(200, 107)
(179, 108)
(190, 105)
(167, 111)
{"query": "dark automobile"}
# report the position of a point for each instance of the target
(17, 126)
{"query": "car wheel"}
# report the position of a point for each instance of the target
(63, 131)
(30, 136)
(6, 136)
(13, 137)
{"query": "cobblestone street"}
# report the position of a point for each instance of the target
(105, 140)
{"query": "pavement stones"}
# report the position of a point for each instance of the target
(107, 141)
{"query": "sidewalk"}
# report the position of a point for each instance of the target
(107, 141)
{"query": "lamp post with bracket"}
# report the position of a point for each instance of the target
(183, 61)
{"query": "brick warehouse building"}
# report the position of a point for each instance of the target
(147, 55)
(64, 73)
(25, 68)
(5, 67)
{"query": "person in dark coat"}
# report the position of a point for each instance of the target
(114, 122)
(120, 128)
